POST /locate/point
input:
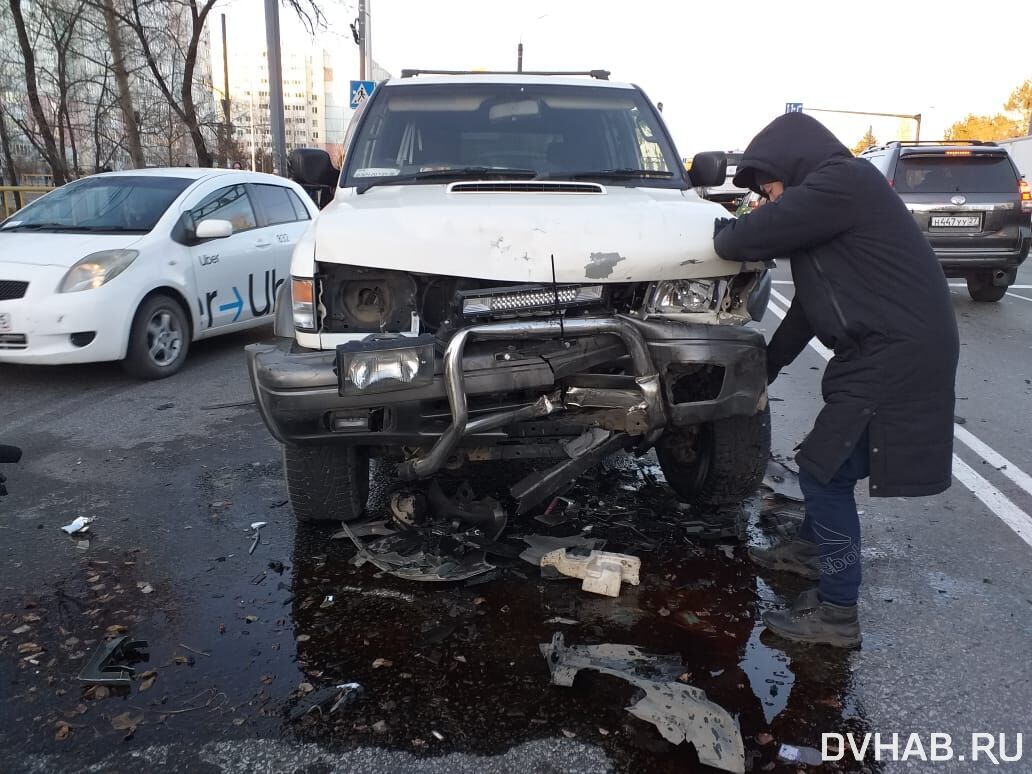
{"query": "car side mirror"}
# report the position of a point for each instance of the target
(709, 168)
(312, 166)
(214, 229)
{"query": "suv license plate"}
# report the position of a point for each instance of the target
(956, 221)
(6, 326)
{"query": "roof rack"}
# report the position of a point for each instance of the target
(906, 143)
(602, 75)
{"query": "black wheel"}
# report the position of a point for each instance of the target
(327, 482)
(981, 288)
(717, 463)
(158, 340)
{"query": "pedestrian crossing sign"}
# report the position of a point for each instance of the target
(360, 92)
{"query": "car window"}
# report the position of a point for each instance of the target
(300, 211)
(977, 173)
(545, 129)
(274, 203)
(104, 203)
(230, 203)
(880, 160)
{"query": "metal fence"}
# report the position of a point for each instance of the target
(14, 197)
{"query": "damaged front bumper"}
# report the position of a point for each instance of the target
(491, 379)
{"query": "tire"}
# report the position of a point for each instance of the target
(981, 288)
(718, 463)
(327, 482)
(158, 340)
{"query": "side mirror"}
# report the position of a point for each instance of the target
(214, 229)
(312, 166)
(709, 168)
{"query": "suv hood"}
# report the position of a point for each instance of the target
(601, 234)
(64, 249)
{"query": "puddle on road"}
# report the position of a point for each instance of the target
(444, 667)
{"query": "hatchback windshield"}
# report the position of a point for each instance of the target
(441, 132)
(956, 174)
(115, 203)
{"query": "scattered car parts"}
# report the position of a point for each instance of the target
(602, 571)
(681, 712)
(108, 664)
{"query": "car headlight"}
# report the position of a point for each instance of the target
(96, 269)
(682, 296)
(377, 365)
(302, 296)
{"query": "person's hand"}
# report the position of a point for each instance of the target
(719, 224)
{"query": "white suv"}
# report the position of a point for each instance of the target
(513, 266)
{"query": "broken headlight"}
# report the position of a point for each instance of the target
(682, 296)
(381, 365)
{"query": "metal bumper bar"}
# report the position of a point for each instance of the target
(637, 349)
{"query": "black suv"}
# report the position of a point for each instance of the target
(969, 199)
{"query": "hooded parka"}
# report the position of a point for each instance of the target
(869, 287)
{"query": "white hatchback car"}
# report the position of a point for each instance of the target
(135, 265)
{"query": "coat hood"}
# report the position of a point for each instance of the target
(788, 149)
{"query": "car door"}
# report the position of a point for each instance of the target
(282, 219)
(225, 268)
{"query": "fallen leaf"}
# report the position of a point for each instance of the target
(22, 629)
(479, 600)
(250, 618)
(127, 721)
(117, 629)
(29, 647)
(267, 679)
(306, 687)
(380, 726)
(179, 660)
(239, 721)
(147, 682)
(63, 732)
(382, 662)
(97, 692)
(31, 618)
(603, 731)
(146, 588)
(93, 579)
(303, 638)
(568, 734)
(685, 678)
(461, 659)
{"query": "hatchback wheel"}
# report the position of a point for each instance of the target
(159, 339)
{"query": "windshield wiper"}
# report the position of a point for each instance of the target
(69, 227)
(456, 173)
(608, 174)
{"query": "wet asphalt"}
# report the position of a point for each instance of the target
(451, 674)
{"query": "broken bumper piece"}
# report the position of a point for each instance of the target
(602, 571)
(680, 712)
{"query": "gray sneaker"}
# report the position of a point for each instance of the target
(798, 556)
(826, 624)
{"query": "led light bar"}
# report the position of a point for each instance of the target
(530, 298)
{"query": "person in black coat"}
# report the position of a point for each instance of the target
(869, 288)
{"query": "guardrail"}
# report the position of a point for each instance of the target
(14, 197)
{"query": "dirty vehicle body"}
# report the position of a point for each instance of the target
(513, 266)
(970, 201)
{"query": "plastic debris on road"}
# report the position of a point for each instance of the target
(601, 571)
(539, 545)
(81, 524)
(327, 700)
(783, 481)
(805, 755)
(680, 712)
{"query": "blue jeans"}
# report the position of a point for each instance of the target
(833, 524)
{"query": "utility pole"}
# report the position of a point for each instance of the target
(519, 57)
(276, 119)
(365, 49)
(227, 125)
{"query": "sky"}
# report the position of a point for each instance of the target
(722, 69)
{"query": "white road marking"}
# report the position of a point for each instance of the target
(995, 500)
(1015, 295)
(952, 285)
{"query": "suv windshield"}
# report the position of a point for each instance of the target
(109, 203)
(428, 133)
(977, 173)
